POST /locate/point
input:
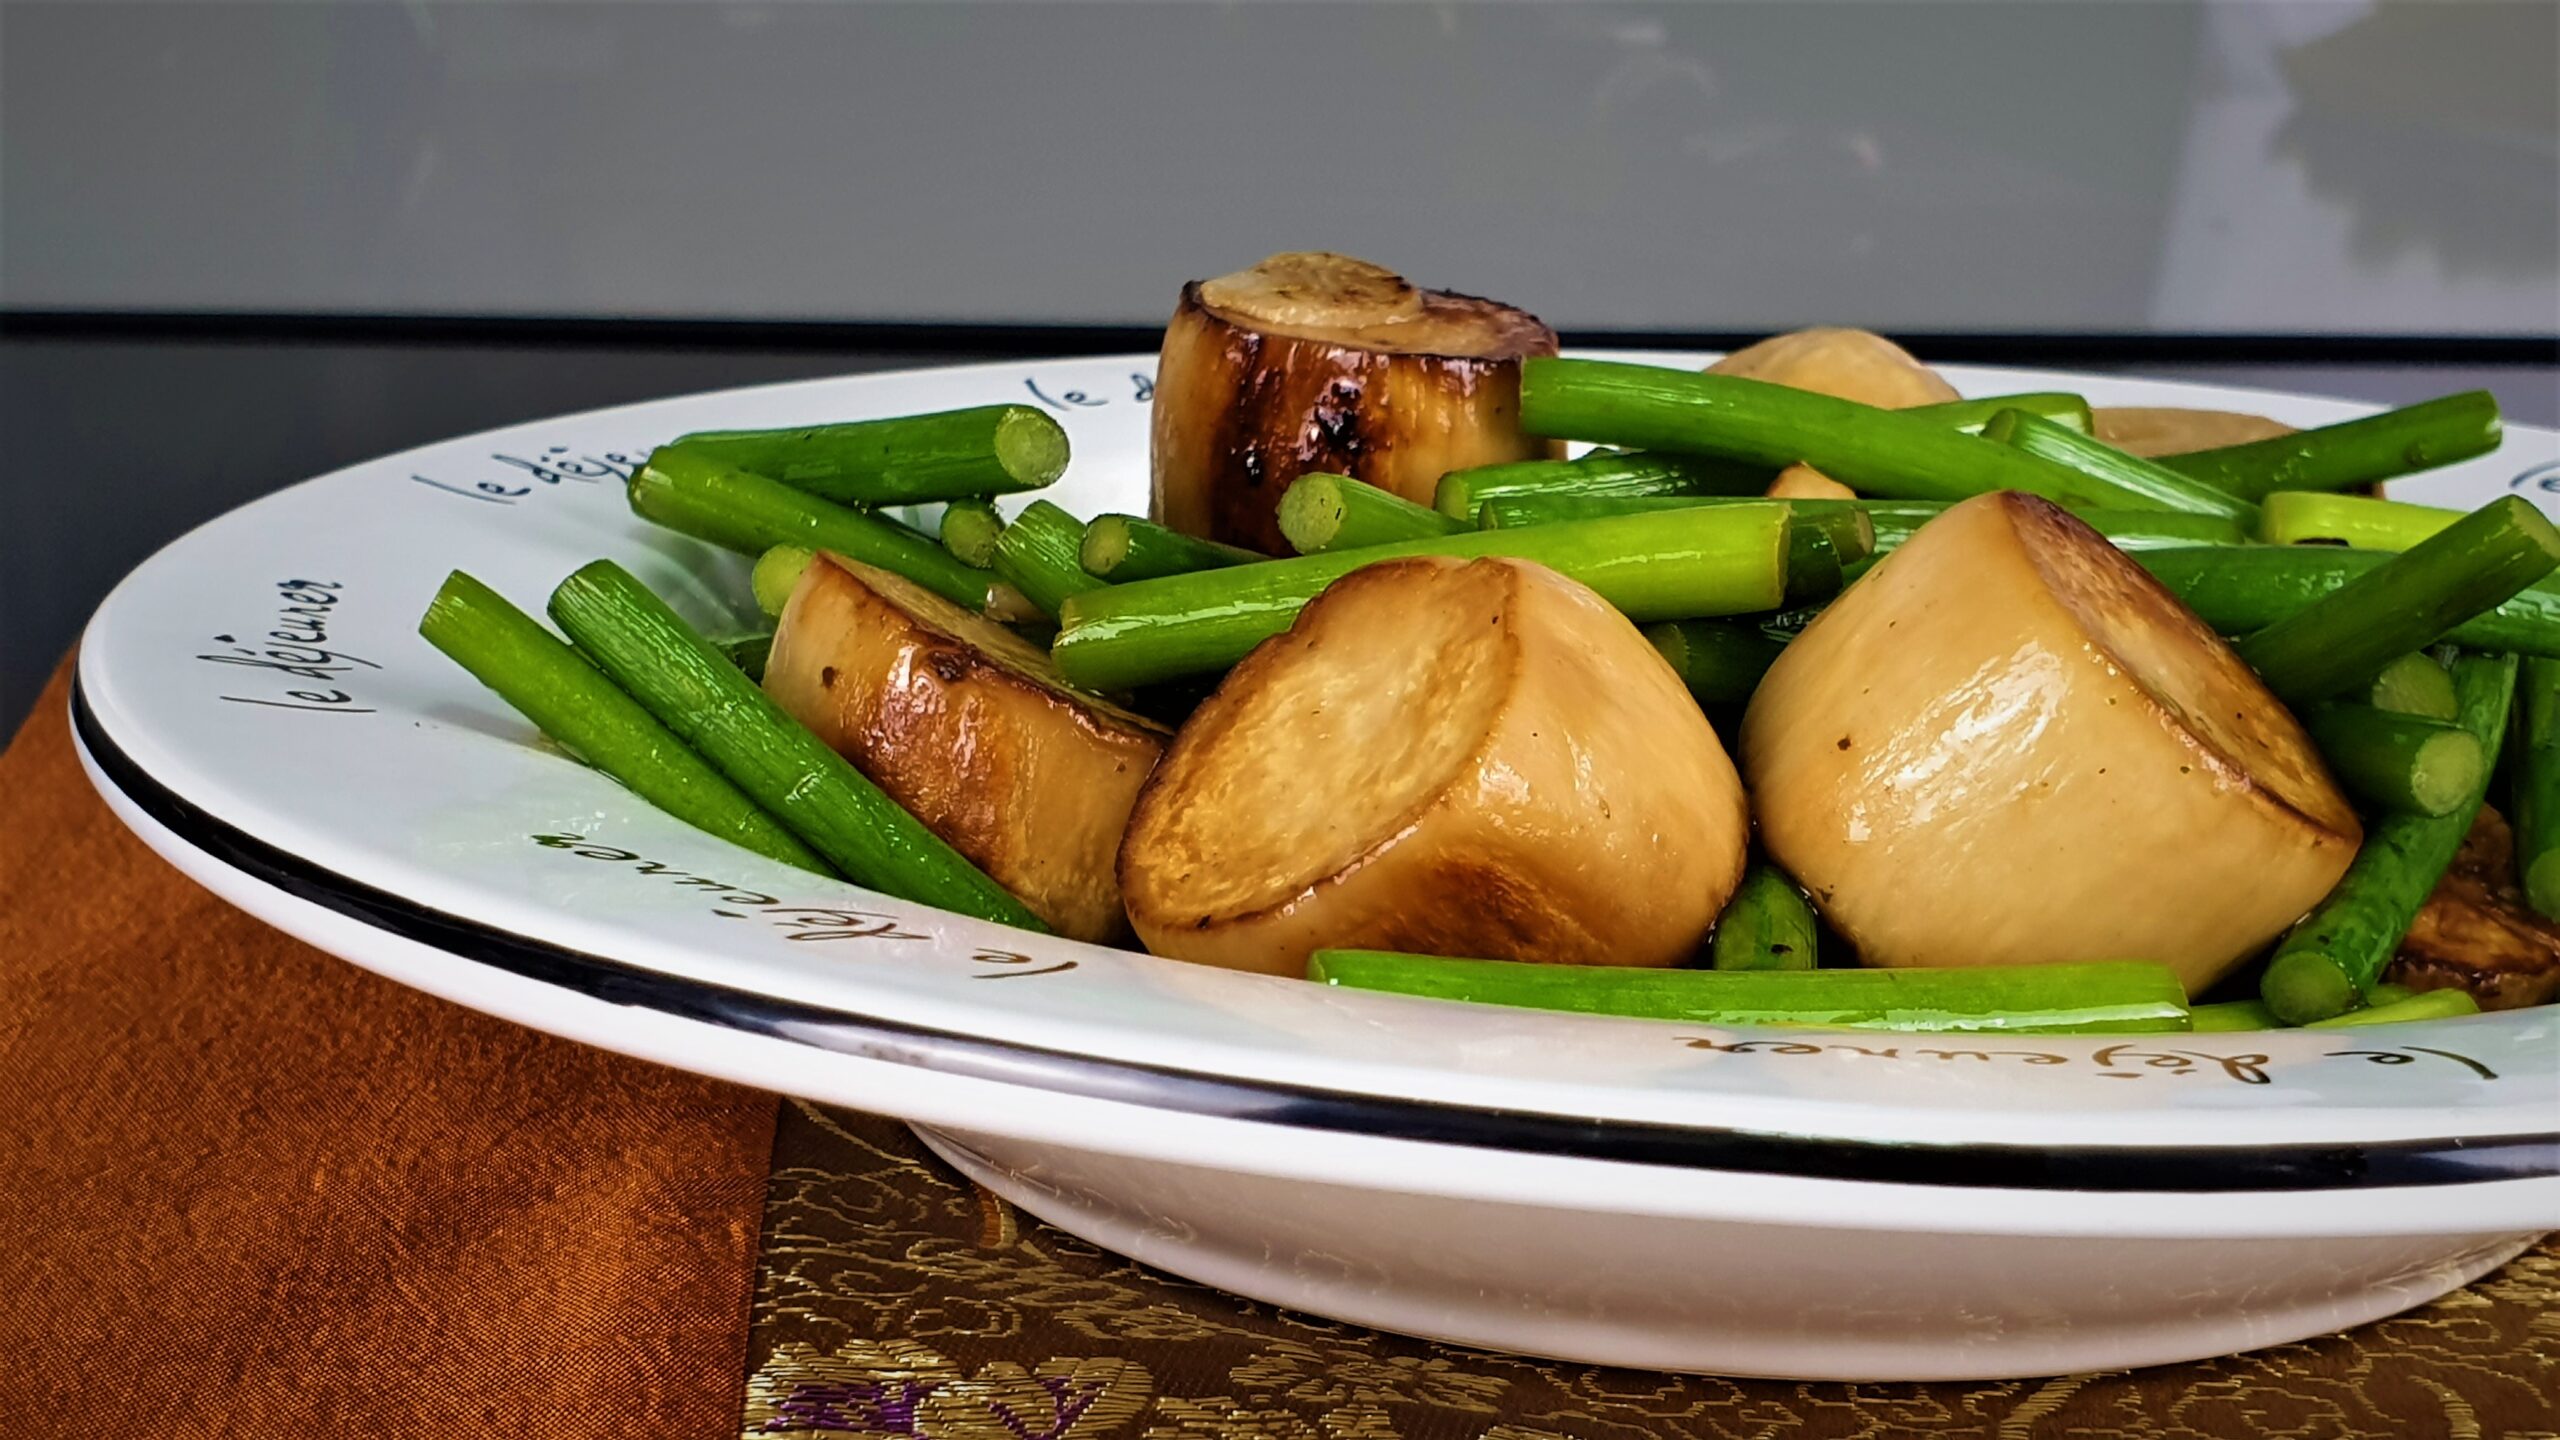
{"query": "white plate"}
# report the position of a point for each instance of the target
(256, 702)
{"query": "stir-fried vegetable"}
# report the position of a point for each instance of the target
(2535, 808)
(1121, 548)
(2128, 996)
(1721, 661)
(1041, 554)
(555, 687)
(2355, 452)
(776, 571)
(2130, 483)
(1728, 560)
(2327, 963)
(751, 514)
(969, 531)
(1765, 926)
(658, 660)
(2313, 517)
(904, 460)
(2244, 590)
(1462, 493)
(2397, 762)
(2409, 601)
(1335, 512)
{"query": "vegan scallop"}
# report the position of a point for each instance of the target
(968, 726)
(1312, 362)
(2008, 744)
(1474, 758)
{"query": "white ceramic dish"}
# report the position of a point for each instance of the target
(255, 702)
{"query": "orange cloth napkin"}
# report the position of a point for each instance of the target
(248, 1189)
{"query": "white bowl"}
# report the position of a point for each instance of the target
(255, 701)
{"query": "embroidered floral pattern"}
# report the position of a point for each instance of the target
(895, 1299)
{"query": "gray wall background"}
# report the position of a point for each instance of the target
(2297, 166)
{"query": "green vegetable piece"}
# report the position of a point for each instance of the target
(1767, 925)
(751, 514)
(2308, 517)
(2535, 804)
(777, 574)
(2069, 411)
(816, 793)
(2354, 454)
(2238, 591)
(1121, 548)
(1721, 661)
(2398, 762)
(2127, 482)
(2411, 600)
(2130, 996)
(2425, 1005)
(2230, 1015)
(1728, 560)
(969, 531)
(748, 652)
(2415, 684)
(2327, 962)
(556, 688)
(1041, 554)
(1888, 454)
(1609, 472)
(1321, 512)
(906, 460)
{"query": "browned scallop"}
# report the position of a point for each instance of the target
(2150, 430)
(1313, 361)
(1848, 364)
(2008, 744)
(968, 726)
(1465, 758)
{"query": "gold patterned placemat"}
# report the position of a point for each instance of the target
(895, 1298)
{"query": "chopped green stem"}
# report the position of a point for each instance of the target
(2415, 684)
(1767, 925)
(2127, 995)
(1724, 560)
(1888, 454)
(812, 790)
(2397, 762)
(1969, 416)
(1814, 571)
(1121, 548)
(2410, 601)
(2309, 517)
(2387, 993)
(2534, 805)
(1041, 554)
(2425, 1005)
(2324, 966)
(2131, 482)
(2230, 1015)
(1721, 661)
(969, 531)
(1320, 512)
(2354, 454)
(748, 652)
(906, 460)
(1609, 472)
(563, 693)
(751, 514)
(2238, 591)
(1892, 521)
(777, 574)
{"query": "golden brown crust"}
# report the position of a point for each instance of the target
(1474, 758)
(2281, 769)
(967, 727)
(1243, 407)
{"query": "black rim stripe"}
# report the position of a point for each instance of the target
(1993, 1166)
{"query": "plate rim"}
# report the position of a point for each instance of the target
(2491, 1124)
(2124, 1168)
